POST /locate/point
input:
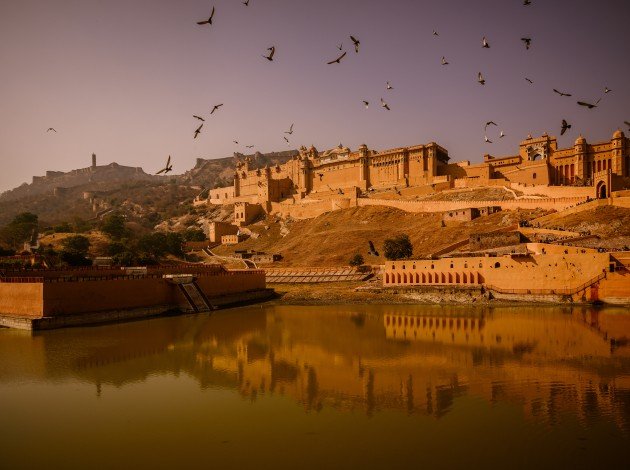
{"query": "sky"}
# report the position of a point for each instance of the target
(123, 78)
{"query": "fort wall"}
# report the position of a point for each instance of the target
(24, 298)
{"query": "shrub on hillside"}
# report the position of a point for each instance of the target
(114, 226)
(194, 235)
(399, 247)
(19, 230)
(356, 260)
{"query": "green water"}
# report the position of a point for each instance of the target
(323, 387)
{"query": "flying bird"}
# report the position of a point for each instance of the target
(249, 146)
(527, 2)
(272, 51)
(385, 105)
(485, 138)
(484, 43)
(366, 104)
(501, 135)
(51, 129)
(480, 79)
(587, 105)
(372, 248)
(168, 167)
(198, 131)
(340, 47)
(527, 41)
(337, 60)
(627, 124)
(607, 90)
(444, 62)
(235, 141)
(565, 127)
(290, 131)
(209, 20)
(356, 43)
(435, 33)
(198, 117)
(246, 3)
(529, 80)
(389, 87)
(561, 93)
(215, 108)
(489, 123)
(287, 140)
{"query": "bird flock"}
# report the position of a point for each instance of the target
(356, 44)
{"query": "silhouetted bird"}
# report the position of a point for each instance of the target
(215, 108)
(562, 93)
(209, 20)
(287, 140)
(385, 105)
(484, 43)
(529, 80)
(235, 141)
(587, 105)
(485, 138)
(290, 131)
(372, 248)
(246, 3)
(527, 41)
(356, 43)
(168, 167)
(607, 90)
(435, 33)
(340, 47)
(527, 2)
(366, 104)
(337, 60)
(565, 127)
(51, 129)
(501, 135)
(198, 130)
(389, 87)
(480, 79)
(198, 117)
(444, 62)
(489, 123)
(272, 51)
(249, 146)
(627, 124)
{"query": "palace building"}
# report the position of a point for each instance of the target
(311, 180)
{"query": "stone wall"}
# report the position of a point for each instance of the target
(485, 241)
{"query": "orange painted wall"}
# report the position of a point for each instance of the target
(23, 299)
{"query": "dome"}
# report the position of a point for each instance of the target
(618, 134)
(580, 140)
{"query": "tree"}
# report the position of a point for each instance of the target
(114, 226)
(153, 244)
(399, 247)
(20, 229)
(174, 243)
(63, 228)
(76, 244)
(195, 235)
(356, 260)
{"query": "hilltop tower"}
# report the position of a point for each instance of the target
(93, 160)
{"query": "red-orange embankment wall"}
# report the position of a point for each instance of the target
(23, 299)
(615, 288)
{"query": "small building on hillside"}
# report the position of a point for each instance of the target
(215, 230)
(468, 214)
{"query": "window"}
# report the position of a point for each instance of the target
(534, 176)
(497, 265)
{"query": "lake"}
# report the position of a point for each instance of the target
(358, 386)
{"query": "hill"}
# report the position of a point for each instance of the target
(331, 239)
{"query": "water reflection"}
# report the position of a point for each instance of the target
(417, 360)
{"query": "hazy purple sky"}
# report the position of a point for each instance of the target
(122, 78)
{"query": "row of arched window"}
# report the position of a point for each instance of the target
(420, 278)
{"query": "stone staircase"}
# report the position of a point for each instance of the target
(195, 297)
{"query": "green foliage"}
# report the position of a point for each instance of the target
(356, 260)
(153, 244)
(80, 225)
(76, 244)
(399, 247)
(125, 258)
(116, 248)
(114, 226)
(194, 235)
(63, 228)
(19, 230)
(174, 243)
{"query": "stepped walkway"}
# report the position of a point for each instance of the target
(314, 275)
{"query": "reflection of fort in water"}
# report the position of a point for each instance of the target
(414, 359)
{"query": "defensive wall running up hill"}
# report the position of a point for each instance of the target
(44, 298)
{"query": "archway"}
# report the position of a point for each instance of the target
(602, 190)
